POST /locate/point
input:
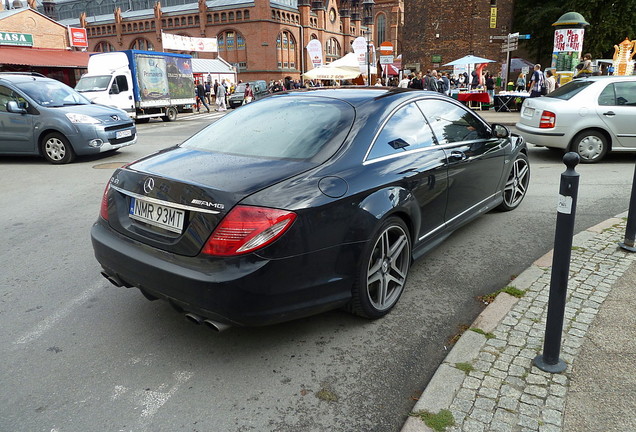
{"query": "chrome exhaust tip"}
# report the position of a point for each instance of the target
(216, 326)
(196, 319)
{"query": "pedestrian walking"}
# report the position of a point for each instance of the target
(220, 98)
(537, 82)
(248, 96)
(200, 92)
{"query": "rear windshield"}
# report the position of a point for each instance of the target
(571, 89)
(301, 127)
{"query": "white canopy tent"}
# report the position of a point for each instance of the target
(346, 67)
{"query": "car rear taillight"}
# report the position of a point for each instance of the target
(103, 211)
(548, 120)
(246, 229)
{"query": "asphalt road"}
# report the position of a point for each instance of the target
(79, 354)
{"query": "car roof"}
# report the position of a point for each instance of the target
(358, 95)
(608, 78)
(22, 77)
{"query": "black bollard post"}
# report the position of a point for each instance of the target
(630, 229)
(566, 209)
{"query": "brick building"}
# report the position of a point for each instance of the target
(440, 32)
(263, 39)
(33, 42)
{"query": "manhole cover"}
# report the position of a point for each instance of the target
(110, 165)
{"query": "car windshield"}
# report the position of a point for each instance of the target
(52, 93)
(93, 83)
(240, 88)
(306, 128)
(571, 89)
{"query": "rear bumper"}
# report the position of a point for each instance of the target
(543, 137)
(243, 291)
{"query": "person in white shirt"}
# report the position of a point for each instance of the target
(550, 81)
(404, 83)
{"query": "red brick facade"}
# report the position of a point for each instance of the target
(451, 30)
(265, 40)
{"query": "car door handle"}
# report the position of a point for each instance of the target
(609, 113)
(456, 156)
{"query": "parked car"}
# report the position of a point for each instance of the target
(304, 202)
(259, 88)
(42, 116)
(590, 116)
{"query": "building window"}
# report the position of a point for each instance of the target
(232, 47)
(104, 46)
(381, 27)
(285, 50)
(332, 49)
(142, 44)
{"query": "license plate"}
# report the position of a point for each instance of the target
(123, 133)
(158, 215)
(528, 112)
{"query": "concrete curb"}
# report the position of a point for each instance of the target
(447, 381)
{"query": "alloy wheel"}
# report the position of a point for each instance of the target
(517, 183)
(388, 267)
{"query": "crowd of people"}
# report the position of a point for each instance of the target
(537, 83)
(208, 93)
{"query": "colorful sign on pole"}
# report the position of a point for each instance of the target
(568, 44)
(314, 49)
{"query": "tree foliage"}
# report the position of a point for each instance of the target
(611, 21)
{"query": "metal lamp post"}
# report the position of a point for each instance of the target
(367, 20)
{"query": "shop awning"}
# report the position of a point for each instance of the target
(43, 57)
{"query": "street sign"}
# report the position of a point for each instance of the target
(386, 59)
(509, 47)
(386, 48)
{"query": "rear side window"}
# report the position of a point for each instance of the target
(300, 128)
(406, 130)
(452, 123)
(571, 89)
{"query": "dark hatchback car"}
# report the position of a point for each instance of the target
(304, 202)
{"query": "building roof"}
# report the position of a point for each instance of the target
(169, 11)
(43, 57)
(211, 66)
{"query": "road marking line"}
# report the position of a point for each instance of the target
(50, 321)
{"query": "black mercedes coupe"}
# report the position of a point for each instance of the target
(304, 202)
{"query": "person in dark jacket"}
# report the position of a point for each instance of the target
(201, 97)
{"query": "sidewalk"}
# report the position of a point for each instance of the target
(488, 381)
(508, 118)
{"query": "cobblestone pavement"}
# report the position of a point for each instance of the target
(488, 382)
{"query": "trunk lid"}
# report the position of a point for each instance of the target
(174, 199)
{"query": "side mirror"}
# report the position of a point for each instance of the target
(114, 89)
(500, 131)
(12, 106)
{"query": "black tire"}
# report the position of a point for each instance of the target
(383, 270)
(517, 184)
(591, 146)
(56, 149)
(171, 114)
